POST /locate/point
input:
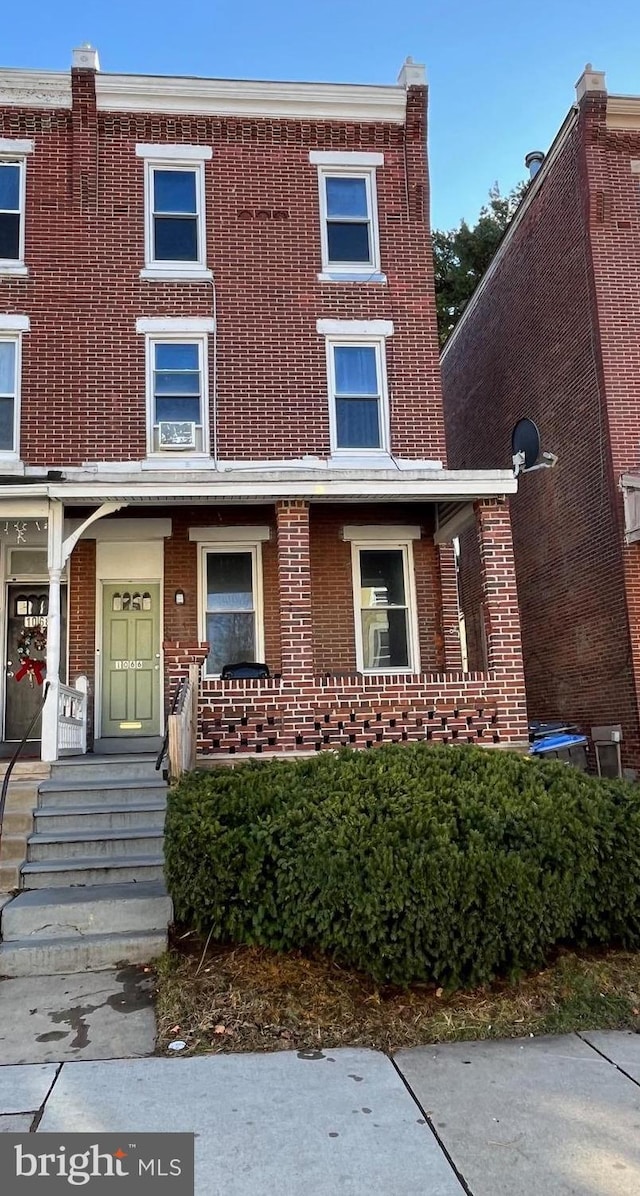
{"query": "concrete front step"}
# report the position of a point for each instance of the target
(98, 909)
(92, 870)
(91, 953)
(68, 845)
(142, 745)
(115, 815)
(91, 767)
(101, 792)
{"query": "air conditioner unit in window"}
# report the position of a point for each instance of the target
(176, 434)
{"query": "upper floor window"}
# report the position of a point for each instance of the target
(10, 346)
(177, 395)
(357, 384)
(348, 215)
(12, 203)
(175, 230)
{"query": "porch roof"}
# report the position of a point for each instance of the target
(263, 485)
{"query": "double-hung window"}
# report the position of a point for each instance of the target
(177, 384)
(12, 203)
(357, 385)
(11, 328)
(232, 605)
(175, 231)
(348, 215)
(385, 611)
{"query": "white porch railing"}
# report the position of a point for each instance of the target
(64, 720)
(183, 727)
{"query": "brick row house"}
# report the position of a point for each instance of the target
(553, 333)
(221, 424)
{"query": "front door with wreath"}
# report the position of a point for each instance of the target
(27, 625)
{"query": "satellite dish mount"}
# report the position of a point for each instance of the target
(525, 449)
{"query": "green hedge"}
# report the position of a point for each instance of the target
(450, 864)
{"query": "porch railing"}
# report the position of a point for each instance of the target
(182, 727)
(72, 717)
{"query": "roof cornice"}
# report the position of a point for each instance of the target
(623, 112)
(234, 97)
(34, 89)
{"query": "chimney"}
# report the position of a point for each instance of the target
(590, 80)
(412, 74)
(533, 162)
(85, 58)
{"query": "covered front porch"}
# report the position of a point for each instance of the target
(343, 586)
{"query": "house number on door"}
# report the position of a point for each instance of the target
(127, 664)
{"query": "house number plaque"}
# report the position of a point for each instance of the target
(128, 664)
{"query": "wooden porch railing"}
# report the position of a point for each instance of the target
(72, 718)
(182, 726)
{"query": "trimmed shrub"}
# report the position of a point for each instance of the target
(447, 864)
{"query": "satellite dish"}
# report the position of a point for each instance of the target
(525, 449)
(525, 444)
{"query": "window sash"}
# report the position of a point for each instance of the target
(158, 396)
(341, 400)
(192, 222)
(9, 402)
(365, 628)
(9, 215)
(367, 265)
(213, 611)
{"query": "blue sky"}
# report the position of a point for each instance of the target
(501, 73)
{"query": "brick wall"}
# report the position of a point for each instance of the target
(83, 363)
(529, 346)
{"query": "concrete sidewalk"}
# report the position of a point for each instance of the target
(553, 1115)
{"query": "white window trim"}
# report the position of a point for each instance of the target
(377, 343)
(195, 271)
(406, 546)
(174, 153)
(251, 534)
(237, 545)
(350, 158)
(15, 151)
(175, 325)
(162, 337)
(350, 271)
(351, 328)
(8, 334)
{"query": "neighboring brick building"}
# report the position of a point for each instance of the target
(221, 426)
(553, 333)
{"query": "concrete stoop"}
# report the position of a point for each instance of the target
(94, 871)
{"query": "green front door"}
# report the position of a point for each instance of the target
(130, 659)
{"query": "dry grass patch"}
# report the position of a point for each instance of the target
(235, 999)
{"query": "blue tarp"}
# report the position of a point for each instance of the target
(557, 743)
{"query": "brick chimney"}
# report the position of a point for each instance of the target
(84, 121)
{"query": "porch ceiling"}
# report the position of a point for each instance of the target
(364, 485)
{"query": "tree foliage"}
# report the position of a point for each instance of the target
(462, 255)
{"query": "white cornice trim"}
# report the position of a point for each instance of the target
(236, 97)
(34, 89)
(175, 153)
(355, 327)
(623, 112)
(175, 324)
(13, 323)
(345, 158)
(16, 145)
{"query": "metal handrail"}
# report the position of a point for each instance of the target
(7, 775)
(180, 690)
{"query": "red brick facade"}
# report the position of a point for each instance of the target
(553, 334)
(84, 405)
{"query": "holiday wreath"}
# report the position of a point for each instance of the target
(33, 639)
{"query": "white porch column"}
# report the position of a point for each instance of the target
(55, 563)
